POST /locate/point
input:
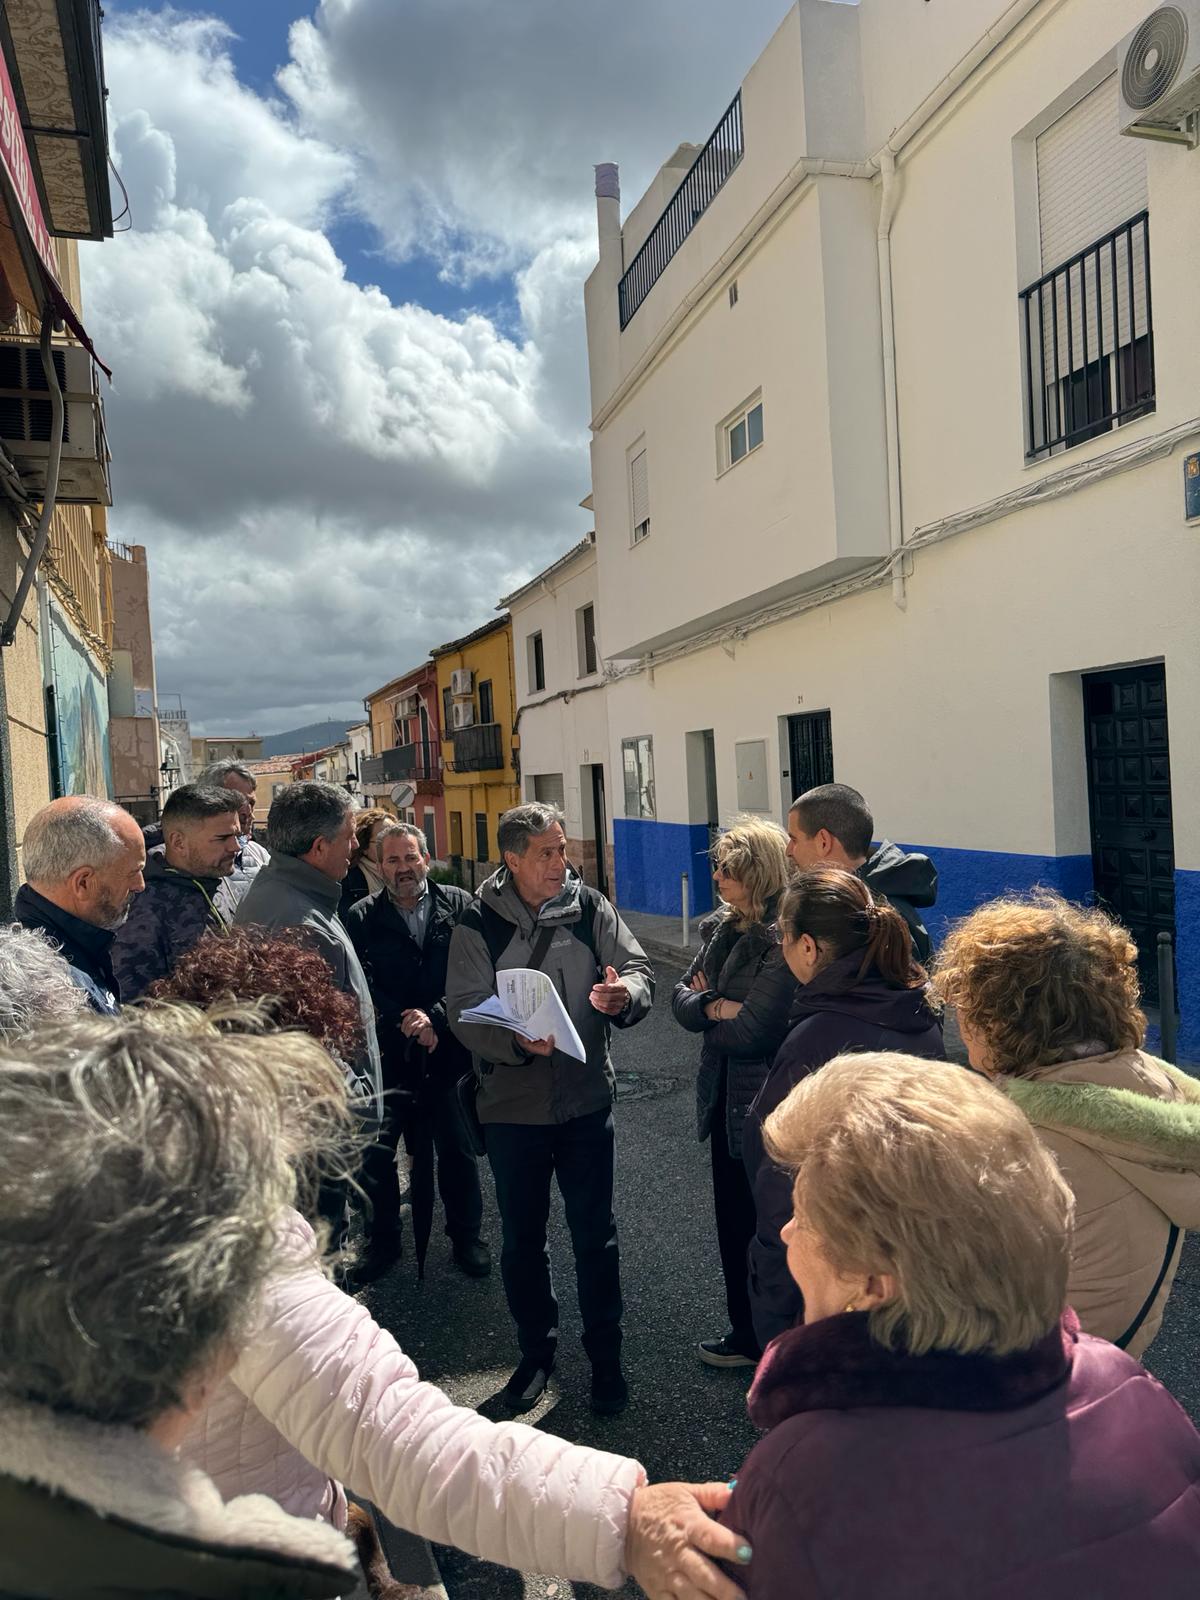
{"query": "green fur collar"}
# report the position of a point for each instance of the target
(1160, 1131)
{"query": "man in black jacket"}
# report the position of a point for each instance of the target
(402, 936)
(832, 825)
(83, 861)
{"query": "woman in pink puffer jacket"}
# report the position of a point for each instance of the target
(323, 1396)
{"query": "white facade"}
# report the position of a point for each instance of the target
(897, 559)
(562, 721)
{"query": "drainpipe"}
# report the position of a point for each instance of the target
(887, 211)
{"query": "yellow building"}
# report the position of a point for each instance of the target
(480, 775)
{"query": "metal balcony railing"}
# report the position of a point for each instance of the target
(705, 177)
(1089, 342)
(418, 762)
(479, 749)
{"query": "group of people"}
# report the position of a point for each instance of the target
(943, 1276)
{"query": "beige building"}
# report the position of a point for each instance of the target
(55, 646)
(138, 758)
(271, 775)
(205, 751)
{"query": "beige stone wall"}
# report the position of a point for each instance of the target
(22, 668)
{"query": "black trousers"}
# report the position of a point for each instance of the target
(733, 1201)
(457, 1168)
(578, 1155)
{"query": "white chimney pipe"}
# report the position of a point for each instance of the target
(608, 215)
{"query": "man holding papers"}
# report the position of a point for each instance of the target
(541, 949)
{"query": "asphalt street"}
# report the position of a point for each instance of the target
(684, 1420)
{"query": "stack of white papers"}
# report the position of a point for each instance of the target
(526, 1002)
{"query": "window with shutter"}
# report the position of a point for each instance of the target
(639, 489)
(1091, 178)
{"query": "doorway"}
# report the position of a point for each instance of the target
(599, 820)
(701, 755)
(1129, 806)
(808, 752)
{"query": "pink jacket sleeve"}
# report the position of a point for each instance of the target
(343, 1393)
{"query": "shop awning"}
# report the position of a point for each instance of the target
(26, 248)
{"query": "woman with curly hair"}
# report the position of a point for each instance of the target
(364, 877)
(1048, 1006)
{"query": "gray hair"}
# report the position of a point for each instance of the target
(145, 1162)
(523, 823)
(36, 986)
(213, 776)
(303, 813)
(59, 840)
(390, 829)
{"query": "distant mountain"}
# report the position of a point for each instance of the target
(314, 737)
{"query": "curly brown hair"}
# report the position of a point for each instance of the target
(279, 967)
(1036, 976)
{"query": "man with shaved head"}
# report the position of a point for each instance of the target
(83, 861)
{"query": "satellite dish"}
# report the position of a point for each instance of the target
(403, 794)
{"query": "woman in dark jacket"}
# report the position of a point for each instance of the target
(737, 994)
(363, 878)
(861, 989)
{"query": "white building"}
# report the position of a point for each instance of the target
(561, 718)
(896, 398)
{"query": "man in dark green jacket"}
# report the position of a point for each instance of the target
(545, 1114)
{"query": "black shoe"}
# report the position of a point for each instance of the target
(528, 1383)
(726, 1352)
(373, 1261)
(610, 1392)
(474, 1258)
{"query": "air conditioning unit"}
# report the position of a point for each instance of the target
(462, 680)
(407, 705)
(1159, 66)
(25, 419)
(462, 715)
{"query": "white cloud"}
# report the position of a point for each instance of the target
(329, 483)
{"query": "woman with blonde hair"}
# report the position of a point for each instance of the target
(939, 1426)
(1048, 1006)
(364, 877)
(737, 994)
(860, 988)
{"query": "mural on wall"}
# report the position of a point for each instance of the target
(81, 713)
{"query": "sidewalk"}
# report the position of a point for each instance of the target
(662, 939)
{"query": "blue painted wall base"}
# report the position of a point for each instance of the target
(1187, 963)
(650, 857)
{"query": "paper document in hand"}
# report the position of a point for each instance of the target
(526, 1002)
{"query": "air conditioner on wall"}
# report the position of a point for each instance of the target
(25, 420)
(407, 705)
(462, 715)
(1159, 66)
(462, 680)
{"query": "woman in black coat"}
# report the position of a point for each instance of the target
(861, 989)
(737, 994)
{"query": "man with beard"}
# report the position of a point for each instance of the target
(402, 935)
(83, 861)
(183, 880)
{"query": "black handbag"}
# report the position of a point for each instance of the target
(468, 1085)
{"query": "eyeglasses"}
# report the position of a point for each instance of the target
(723, 871)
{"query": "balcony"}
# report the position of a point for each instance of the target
(705, 178)
(59, 83)
(479, 749)
(1088, 339)
(413, 763)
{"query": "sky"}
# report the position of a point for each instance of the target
(345, 315)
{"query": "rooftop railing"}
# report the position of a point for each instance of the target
(687, 205)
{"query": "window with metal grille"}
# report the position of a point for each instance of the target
(1086, 323)
(639, 495)
(637, 760)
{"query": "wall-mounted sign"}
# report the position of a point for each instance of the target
(1191, 486)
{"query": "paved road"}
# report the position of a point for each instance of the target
(684, 1420)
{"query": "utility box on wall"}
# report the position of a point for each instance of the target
(1191, 487)
(751, 755)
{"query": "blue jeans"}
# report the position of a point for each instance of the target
(579, 1154)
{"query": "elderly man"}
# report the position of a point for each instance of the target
(83, 861)
(183, 879)
(402, 934)
(310, 834)
(544, 1114)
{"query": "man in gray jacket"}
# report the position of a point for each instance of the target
(310, 834)
(543, 1113)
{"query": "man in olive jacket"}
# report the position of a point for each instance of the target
(543, 1113)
